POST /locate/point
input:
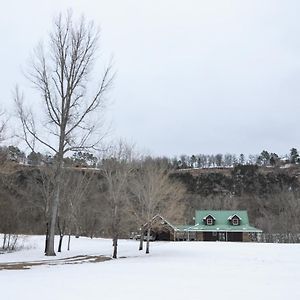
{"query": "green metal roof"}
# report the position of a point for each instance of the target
(221, 222)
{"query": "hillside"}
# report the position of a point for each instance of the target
(269, 194)
(240, 179)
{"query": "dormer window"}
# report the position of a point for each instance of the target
(209, 221)
(235, 221)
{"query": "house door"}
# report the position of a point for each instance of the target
(235, 236)
(210, 236)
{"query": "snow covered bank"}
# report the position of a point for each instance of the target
(173, 270)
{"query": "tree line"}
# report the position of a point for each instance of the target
(229, 160)
(201, 161)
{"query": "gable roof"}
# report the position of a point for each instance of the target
(235, 215)
(159, 217)
(209, 215)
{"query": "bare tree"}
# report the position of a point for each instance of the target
(74, 189)
(11, 209)
(116, 169)
(280, 213)
(61, 75)
(3, 123)
(155, 193)
(3, 136)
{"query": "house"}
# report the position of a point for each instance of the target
(210, 225)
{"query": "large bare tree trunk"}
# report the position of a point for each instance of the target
(50, 245)
(148, 240)
(54, 210)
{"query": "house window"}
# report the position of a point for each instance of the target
(235, 221)
(209, 221)
(222, 236)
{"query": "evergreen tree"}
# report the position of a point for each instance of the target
(294, 156)
(264, 157)
(242, 159)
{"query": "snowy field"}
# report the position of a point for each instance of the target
(173, 270)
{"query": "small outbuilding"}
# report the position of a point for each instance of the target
(210, 225)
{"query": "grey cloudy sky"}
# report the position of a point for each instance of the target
(192, 76)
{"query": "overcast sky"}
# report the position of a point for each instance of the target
(192, 76)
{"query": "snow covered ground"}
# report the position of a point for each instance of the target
(173, 270)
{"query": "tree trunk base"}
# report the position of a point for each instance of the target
(115, 246)
(60, 243)
(50, 254)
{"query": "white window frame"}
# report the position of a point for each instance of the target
(209, 221)
(235, 221)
